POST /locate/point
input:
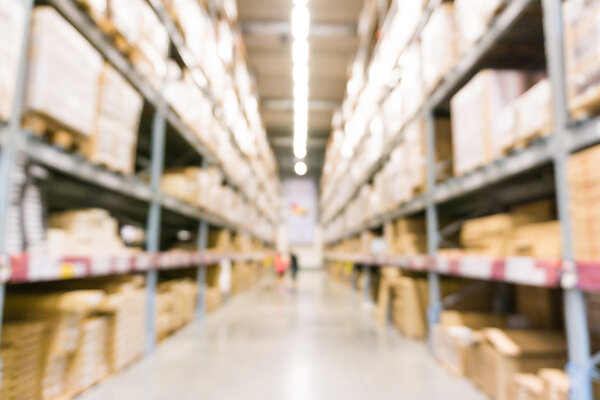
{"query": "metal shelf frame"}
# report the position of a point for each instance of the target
(17, 143)
(573, 276)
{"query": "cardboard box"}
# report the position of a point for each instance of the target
(58, 87)
(12, 20)
(472, 110)
(540, 240)
(439, 45)
(508, 352)
(472, 20)
(487, 235)
(114, 139)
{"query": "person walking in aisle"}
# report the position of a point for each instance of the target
(281, 265)
(294, 269)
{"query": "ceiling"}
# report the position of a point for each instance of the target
(333, 42)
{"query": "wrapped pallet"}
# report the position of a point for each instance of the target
(439, 45)
(152, 46)
(63, 74)
(582, 49)
(584, 193)
(473, 19)
(113, 142)
(473, 108)
(12, 25)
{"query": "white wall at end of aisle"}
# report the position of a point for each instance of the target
(311, 256)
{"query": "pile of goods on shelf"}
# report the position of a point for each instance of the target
(527, 230)
(84, 232)
(203, 188)
(12, 24)
(100, 115)
(512, 109)
(471, 340)
(580, 18)
(98, 112)
(175, 306)
(75, 336)
(584, 184)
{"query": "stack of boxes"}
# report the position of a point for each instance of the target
(21, 351)
(114, 139)
(11, 25)
(84, 232)
(584, 186)
(175, 306)
(582, 52)
(52, 74)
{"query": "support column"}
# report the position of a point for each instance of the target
(202, 242)
(12, 138)
(435, 301)
(579, 367)
(153, 224)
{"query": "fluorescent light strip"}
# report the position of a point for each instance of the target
(300, 51)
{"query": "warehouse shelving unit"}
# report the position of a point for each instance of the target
(572, 276)
(17, 143)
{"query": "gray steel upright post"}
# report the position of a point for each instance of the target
(579, 367)
(435, 302)
(201, 272)
(12, 138)
(153, 223)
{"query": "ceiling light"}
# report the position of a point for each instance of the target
(300, 152)
(300, 22)
(300, 168)
(300, 74)
(300, 51)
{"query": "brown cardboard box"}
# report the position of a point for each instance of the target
(507, 352)
(487, 235)
(538, 211)
(457, 336)
(539, 240)
(410, 307)
(472, 320)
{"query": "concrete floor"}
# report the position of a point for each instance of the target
(316, 343)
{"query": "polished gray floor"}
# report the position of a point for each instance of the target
(310, 344)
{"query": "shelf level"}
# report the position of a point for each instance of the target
(517, 270)
(28, 268)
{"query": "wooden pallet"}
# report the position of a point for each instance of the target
(586, 104)
(525, 142)
(55, 132)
